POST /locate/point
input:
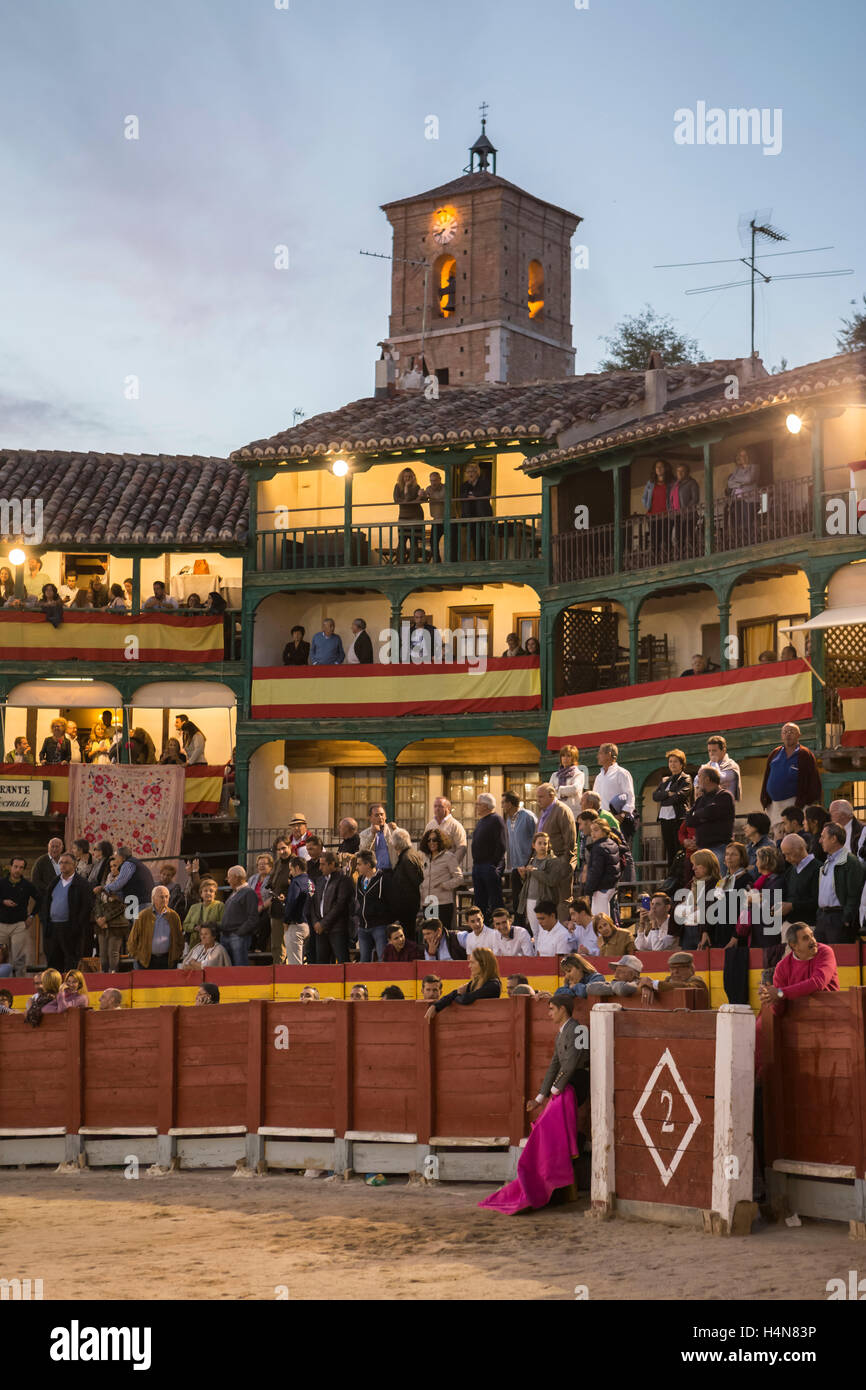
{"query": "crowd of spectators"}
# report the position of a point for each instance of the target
(84, 592)
(102, 743)
(422, 644)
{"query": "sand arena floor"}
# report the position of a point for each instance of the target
(192, 1235)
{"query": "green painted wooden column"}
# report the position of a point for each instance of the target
(724, 633)
(547, 529)
(448, 548)
(391, 787)
(817, 604)
(242, 785)
(633, 647)
(818, 480)
(617, 518)
(347, 521)
(136, 583)
(709, 502)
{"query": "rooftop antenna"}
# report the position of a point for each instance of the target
(380, 256)
(751, 228)
(297, 414)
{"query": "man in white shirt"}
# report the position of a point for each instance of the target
(552, 938)
(69, 588)
(513, 941)
(449, 828)
(728, 770)
(613, 780)
(654, 925)
(842, 812)
(72, 735)
(582, 938)
(160, 601)
(477, 934)
(378, 837)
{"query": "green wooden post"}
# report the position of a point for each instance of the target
(347, 522)
(724, 631)
(633, 645)
(617, 518)
(136, 583)
(817, 604)
(391, 787)
(547, 528)
(709, 502)
(242, 790)
(818, 478)
(448, 481)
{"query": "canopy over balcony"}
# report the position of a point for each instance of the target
(492, 685)
(743, 699)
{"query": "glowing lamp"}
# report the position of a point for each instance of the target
(793, 424)
(339, 468)
(17, 557)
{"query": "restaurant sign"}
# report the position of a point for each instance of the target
(25, 798)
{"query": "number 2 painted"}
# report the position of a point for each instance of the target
(667, 1127)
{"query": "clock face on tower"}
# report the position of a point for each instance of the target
(444, 225)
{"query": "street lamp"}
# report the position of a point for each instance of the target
(339, 468)
(17, 557)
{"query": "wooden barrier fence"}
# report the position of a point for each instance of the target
(813, 1078)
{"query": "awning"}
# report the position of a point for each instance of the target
(64, 694)
(183, 695)
(831, 617)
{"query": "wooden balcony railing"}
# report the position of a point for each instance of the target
(778, 511)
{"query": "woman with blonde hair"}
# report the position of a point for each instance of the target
(568, 779)
(44, 1000)
(73, 992)
(483, 983)
(613, 941)
(692, 914)
(410, 514)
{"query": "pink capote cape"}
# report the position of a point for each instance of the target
(545, 1163)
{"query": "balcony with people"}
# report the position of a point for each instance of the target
(685, 501)
(398, 515)
(62, 605)
(461, 650)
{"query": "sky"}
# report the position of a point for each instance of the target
(141, 308)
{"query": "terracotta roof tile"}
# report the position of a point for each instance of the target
(490, 412)
(138, 499)
(709, 406)
(475, 183)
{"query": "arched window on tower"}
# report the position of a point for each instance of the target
(445, 271)
(535, 297)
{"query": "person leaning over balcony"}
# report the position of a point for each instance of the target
(483, 983)
(117, 601)
(160, 600)
(512, 646)
(442, 875)
(156, 938)
(712, 816)
(51, 605)
(21, 752)
(360, 651)
(840, 886)
(701, 666)
(682, 976)
(791, 776)
(99, 594)
(809, 967)
(410, 516)
(327, 648)
(56, 748)
(192, 738)
(673, 796)
(533, 646)
(728, 770)
(296, 652)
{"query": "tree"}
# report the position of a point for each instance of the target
(853, 336)
(638, 335)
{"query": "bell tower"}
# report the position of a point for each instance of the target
(481, 278)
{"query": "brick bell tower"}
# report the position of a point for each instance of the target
(497, 265)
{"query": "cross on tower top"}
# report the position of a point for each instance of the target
(484, 108)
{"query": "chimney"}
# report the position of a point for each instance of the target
(655, 389)
(386, 372)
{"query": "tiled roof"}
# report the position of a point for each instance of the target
(490, 412)
(131, 498)
(796, 385)
(474, 183)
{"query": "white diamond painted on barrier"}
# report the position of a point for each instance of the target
(666, 1060)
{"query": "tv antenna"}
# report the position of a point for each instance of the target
(753, 228)
(297, 414)
(402, 260)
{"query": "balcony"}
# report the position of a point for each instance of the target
(352, 544)
(779, 511)
(493, 685)
(97, 636)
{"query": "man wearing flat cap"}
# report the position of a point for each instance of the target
(682, 976)
(626, 980)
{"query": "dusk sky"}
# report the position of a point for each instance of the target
(154, 258)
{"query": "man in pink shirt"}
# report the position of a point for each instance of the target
(809, 968)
